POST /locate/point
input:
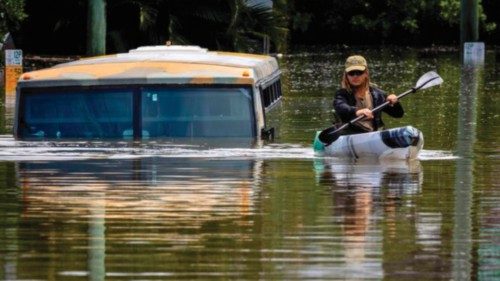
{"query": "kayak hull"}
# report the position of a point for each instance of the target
(398, 143)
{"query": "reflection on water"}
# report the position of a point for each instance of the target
(357, 190)
(466, 136)
(157, 217)
(106, 209)
(142, 189)
(371, 173)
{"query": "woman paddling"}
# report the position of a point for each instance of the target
(358, 97)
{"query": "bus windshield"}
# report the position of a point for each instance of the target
(139, 112)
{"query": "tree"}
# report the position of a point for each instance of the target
(250, 22)
(216, 24)
(11, 15)
(374, 22)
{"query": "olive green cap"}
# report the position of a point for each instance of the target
(355, 63)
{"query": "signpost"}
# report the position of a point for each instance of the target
(13, 70)
(474, 53)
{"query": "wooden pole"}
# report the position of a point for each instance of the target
(96, 27)
(469, 24)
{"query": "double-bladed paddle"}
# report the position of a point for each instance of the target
(429, 79)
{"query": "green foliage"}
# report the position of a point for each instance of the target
(488, 27)
(301, 21)
(250, 23)
(239, 25)
(58, 26)
(11, 15)
(375, 21)
(385, 17)
(279, 31)
(450, 11)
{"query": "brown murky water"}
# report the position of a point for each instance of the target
(95, 211)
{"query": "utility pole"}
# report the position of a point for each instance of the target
(473, 52)
(96, 27)
(469, 24)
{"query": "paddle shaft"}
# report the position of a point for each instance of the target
(376, 109)
(380, 107)
(328, 136)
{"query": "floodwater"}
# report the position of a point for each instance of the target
(157, 210)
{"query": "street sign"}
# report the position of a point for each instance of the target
(474, 53)
(14, 57)
(13, 70)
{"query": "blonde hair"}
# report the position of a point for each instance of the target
(346, 85)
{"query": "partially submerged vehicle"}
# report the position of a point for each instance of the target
(150, 92)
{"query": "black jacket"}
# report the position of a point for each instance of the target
(344, 104)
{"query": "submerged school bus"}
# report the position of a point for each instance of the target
(156, 91)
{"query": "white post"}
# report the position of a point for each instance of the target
(13, 70)
(474, 53)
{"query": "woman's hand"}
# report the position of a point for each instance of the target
(366, 112)
(392, 99)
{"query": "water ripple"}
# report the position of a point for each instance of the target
(12, 150)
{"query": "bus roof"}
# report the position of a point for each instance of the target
(158, 65)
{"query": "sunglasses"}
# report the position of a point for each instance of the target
(355, 73)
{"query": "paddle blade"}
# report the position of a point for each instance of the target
(329, 135)
(430, 79)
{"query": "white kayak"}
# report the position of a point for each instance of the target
(398, 143)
